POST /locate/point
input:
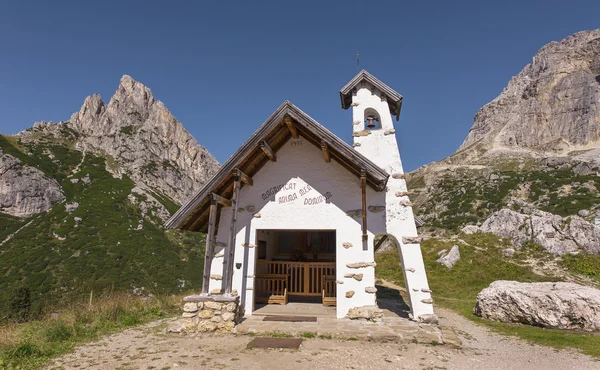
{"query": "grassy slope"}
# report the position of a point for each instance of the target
(466, 197)
(102, 252)
(457, 288)
(33, 344)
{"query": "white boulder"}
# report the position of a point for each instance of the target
(549, 305)
(450, 258)
(554, 233)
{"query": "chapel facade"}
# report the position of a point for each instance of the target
(294, 213)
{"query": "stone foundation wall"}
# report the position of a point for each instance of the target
(202, 314)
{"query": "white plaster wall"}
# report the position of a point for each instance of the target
(301, 163)
(381, 147)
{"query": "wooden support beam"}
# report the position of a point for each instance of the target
(243, 177)
(219, 199)
(209, 250)
(325, 149)
(232, 231)
(383, 238)
(290, 126)
(268, 151)
(363, 186)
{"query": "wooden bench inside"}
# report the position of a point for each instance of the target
(329, 285)
(271, 288)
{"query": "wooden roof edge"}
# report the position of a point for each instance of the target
(394, 98)
(287, 108)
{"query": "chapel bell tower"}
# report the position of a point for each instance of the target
(374, 104)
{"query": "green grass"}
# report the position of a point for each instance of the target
(585, 264)
(457, 288)
(468, 197)
(10, 224)
(33, 344)
(102, 253)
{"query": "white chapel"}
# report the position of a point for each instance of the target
(293, 215)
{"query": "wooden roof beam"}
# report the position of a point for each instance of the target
(245, 178)
(325, 149)
(290, 126)
(221, 200)
(268, 151)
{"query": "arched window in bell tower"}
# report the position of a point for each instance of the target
(372, 119)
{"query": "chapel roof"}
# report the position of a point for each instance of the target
(394, 99)
(251, 157)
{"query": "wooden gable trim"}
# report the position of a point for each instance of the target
(268, 151)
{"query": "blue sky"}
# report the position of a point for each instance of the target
(222, 67)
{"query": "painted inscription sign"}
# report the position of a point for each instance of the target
(293, 191)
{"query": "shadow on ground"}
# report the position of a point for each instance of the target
(391, 300)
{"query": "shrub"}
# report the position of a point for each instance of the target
(20, 304)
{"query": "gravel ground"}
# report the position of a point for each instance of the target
(148, 347)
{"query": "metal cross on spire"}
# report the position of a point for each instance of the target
(357, 62)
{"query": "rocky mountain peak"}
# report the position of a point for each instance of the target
(144, 140)
(552, 105)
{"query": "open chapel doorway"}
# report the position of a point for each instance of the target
(295, 266)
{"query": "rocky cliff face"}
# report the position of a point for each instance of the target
(553, 104)
(25, 190)
(145, 140)
(529, 168)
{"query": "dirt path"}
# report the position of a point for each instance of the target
(149, 347)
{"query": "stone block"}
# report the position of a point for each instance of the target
(213, 305)
(428, 318)
(427, 301)
(250, 208)
(389, 132)
(398, 176)
(405, 203)
(365, 312)
(357, 277)
(231, 307)
(189, 314)
(355, 145)
(347, 245)
(216, 318)
(411, 240)
(358, 265)
(371, 289)
(361, 133)
(339, 281)
(216, 277)
(190, 307)
(207, 326)
(206, 314)
(349, 294)
(228, 316)
(401, 193)
(257, 215)
(219, 255)
(216, 291)
(226, 326)
(188, 325)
